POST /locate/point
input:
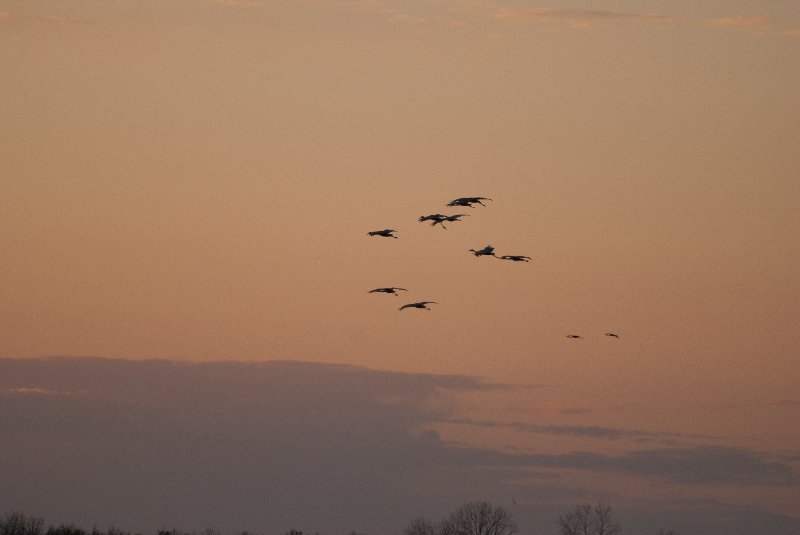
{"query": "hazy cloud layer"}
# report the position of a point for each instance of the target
(236, 3)
(715, 465)
(590, 431)
(15, 17)
(233, 445)
(271, 446)
(575, 17)
(739, 22)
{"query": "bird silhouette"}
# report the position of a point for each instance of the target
(386, 233)
(613, 334)
(392, 290)
(486, 251)
(435, 219)
(421, 304)
(449, 219)
(468, 201)
(576, 336)
(432, 217)
(516, 258)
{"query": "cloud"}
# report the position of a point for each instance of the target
(708, 517)
(738, 22)
(778, 403)
(717, 465)
(749, 25)
(11, 17)
(236, 3)
(606, 433)
(573, 17)
(270, 446)
(234, 445)
(696, 465)
(35, 390)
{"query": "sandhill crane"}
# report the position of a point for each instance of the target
(449, 219)
(392, 290)
(613, 334)
(468, 201)
(486, 251)
(421, 304)
(516, 258)
(386, 233)
(435, 219)
(575, 336)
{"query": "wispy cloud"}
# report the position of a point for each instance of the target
(35, 390)
(8, 17)
(590, 431)
(779, 403)
(750, 25)
(236, 3)
(578, 18)
(738, 22)
(707, 465)
(696, 465)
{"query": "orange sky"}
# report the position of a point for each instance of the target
(194, 180)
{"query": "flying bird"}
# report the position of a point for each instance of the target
(386, 233)
(453, 218)
(432, 217)
(613, 334)
(392, 290)
(574, 336)
(486, 251)
(435, 219)
(421, 304)
(448, 218)
(468, 201)
(516, 258)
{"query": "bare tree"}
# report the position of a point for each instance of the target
(420, 526)
(478, 518)
(604, 523)
(16, 523)
(588, 520)
(65, 529)
(577, 521)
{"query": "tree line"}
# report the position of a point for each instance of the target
(472, 518)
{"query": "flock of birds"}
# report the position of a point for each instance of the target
(441, 219)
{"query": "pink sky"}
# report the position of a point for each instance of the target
(194, 180)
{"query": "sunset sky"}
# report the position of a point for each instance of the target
(193, 181)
